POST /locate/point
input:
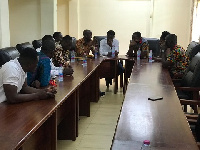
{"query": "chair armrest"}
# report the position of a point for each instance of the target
(198, 144)
(191, 116)
(189, 102)
(176, 80)
(193, 89)
(192, 121)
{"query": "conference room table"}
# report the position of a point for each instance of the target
(162, 122)
(38, 124)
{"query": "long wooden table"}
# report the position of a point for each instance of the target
(162, 122)
(37, 124)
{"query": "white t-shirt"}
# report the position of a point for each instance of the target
(13, 74)
(105, 48)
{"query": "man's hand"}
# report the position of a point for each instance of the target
(109, 42)
(116, 53)
(43, 94)
(51, 89)
(109, 54)
(132, 43)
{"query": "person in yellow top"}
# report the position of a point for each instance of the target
(85, 44)
(137, 43)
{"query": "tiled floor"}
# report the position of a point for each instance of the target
(96, 132)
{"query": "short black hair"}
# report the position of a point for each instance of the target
(48, 46)
(164, 34)
(86, 31)
(56, 34)
(67, 38)
(137, 34)
(171, 40)
(111, 32)
(47, 37)
(36, 44)
(28, 55)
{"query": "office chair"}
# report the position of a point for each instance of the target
(189, 86)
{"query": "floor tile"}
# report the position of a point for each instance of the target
(96, 141)
(100, 129)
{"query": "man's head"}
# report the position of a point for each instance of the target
(163, 36)
(48, 47)
(171, 41)
(136, 37)
(36, 44)
(66, 42)
(87, 35)
(28, 59)
(47, 37)
(57, 36)
(110, 35)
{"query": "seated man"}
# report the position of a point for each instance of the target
(13, 85)
(176, 58)
(108, 43)
(61, 55)
(137, 43)
(57, 37)
(42, 75)
(85, 44)
(106, 46)
(162, 47)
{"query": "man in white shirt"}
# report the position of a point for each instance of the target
(108, 43)
(106, 46)
(13, 85)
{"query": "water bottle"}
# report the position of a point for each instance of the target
(146, 145)
(138, 54)
(60, 72)
(150, 56)
(84, 60)
(113, 51)
(72, 56)
(95, 53)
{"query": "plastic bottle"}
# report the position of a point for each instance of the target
(146, 145)
(150, 56)
(84, 60)
(72, 56)
(138, 54)
(95, 53)
(60, 72)
(113, 51)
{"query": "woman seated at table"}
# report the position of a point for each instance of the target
(176, 58)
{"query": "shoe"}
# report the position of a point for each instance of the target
(102, 93)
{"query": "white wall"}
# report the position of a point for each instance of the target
(74, 18)
(122, 16)
(48, 17)
(173, 16)
(63, 16)
(24, 21)
(4, 24)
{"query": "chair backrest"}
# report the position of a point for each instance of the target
(191, 77)
(22, 46)
(190, 51)
(98, 39)
(7, 54)
(154, 45)
(73, 44)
